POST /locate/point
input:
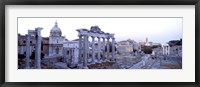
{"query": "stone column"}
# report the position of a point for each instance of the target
(64, 55)
(93, 53)
(108, 48)
(76, 55)
(113, 48)
(163, 48)
(69, 56)
(99, 49)
(85, 52)
(27, 51)
(104, 48)
(168, 50)
(38, 48)
(30, 50)
(80, 48)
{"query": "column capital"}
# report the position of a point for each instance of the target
(86, 36)
(113, 37)
(103, 39)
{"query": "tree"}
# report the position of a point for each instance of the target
(147, 49)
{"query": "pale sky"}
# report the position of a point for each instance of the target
(158, 30)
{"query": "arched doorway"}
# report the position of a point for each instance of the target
(57, 50)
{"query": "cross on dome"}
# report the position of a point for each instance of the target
(56, 24)
(55, 31)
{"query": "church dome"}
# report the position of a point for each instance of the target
(55, 31)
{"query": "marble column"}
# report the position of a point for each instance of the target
(30, 50)
(99, 49)
(85, 52)
(113, 48)
(163, 48)
(76, 55)
(38, 48)
(93, 51)
(104, 48)
(80, 48)
(168, 50)
(27, 51)
(108, 49)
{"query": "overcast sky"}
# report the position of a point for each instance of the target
(159, 30)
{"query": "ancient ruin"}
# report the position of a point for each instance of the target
(95, 32)
(37, 34)
(94, 49)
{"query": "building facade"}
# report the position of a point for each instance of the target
(56, 41)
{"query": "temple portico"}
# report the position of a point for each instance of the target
(166, 49)
(95, 32)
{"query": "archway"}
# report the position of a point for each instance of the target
(57, 50)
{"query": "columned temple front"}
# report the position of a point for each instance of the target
(95, 32)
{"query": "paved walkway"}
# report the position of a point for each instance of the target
(148, 65)
(160, 63)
